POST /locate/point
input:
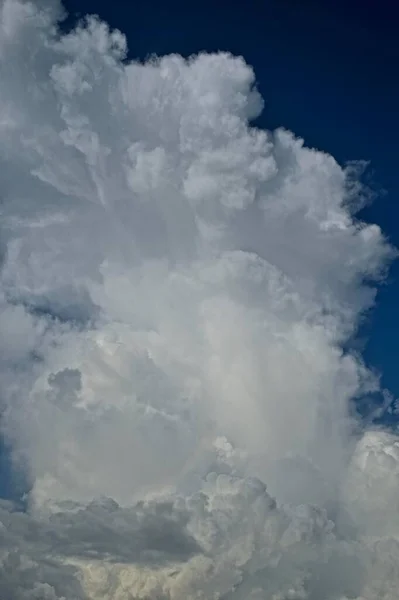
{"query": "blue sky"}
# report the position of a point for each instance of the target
(328, 72)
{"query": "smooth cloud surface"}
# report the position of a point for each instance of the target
(177, 290)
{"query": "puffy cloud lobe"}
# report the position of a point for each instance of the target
(229, 540)
(372, 482)
(177, 287)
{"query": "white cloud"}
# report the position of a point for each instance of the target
(177, 290)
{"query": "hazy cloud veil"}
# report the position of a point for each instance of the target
(177, 290)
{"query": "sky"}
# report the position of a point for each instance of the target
(192, 324)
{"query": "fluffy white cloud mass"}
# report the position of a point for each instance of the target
(178, 290)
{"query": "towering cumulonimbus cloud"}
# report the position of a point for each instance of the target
(178, 290)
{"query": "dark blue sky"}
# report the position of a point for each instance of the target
(327, 70)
